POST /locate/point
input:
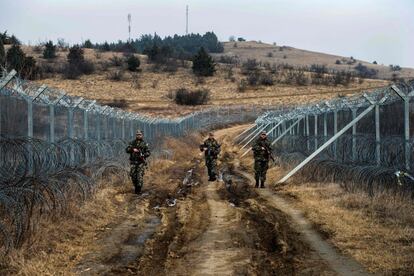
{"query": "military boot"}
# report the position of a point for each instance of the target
(137, 189)
(262, 183)
(257, 183)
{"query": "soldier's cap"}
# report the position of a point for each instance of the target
(211, 133)
(263, 133)
(138, 132)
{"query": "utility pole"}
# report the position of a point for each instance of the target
(186, 21)
(129, 28)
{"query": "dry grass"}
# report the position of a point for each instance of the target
(378, 232)
(60, 244)
(297, 57)
(147, 91)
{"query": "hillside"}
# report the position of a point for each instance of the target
(151, 89)
(297, 57)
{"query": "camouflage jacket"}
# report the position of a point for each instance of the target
(211, 148)
(141, 155)
(259, 153)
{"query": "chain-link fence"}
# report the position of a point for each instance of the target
(366, 139)
(54, 147)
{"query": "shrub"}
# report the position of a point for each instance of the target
(47, 70)
(242, 85)
(249, 66)
(338, 61)
(71, 71)
(25, 66)
(395, 68)
(365, 72)
(318, 68)
(50, 50)
(297, 77)
(29, 70)
(203, 64)
(116, 61)
(253, 78)
(15, 58)
(86, 67)
(116, 75)
(75, 55)
(186, 97)
(228, 60)
(269, 54)
(241, 39)
(374, 62)
(133, 63)
(122, 103)
(171, 65)
(135, 83)
(37, 49)
(266, 79)
(77, 65)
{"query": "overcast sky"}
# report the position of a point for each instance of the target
(381, 30)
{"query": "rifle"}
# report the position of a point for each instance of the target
(139, 154)
(270, 153)
(209, 149)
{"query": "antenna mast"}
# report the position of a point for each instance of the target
(186, 21)
(129, 28)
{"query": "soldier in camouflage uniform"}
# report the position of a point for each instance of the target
(139, 152)
(262, 152)
(211, 150)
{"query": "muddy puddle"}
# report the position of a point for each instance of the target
(133, 247)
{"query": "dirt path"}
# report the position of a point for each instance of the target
(209, 228)
(343, 265)
(215, 253)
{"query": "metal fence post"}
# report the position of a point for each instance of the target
(307, 132)
(377, 135)
(316, 130)
(354, 132)
(335, 132)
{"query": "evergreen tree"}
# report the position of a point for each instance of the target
(49, 51)
(88, 44)
(203, 64)
(133, 63)
(15, 58)
(75, 55)
(105, 47)
(152, 52)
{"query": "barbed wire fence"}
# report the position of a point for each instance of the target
(364, 142)
(54, 147)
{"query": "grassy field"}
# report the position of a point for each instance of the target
(150, 91)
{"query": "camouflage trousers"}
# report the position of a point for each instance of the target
(260, 169)
(137, 174)
(211, 164)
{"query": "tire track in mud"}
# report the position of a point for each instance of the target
(342, 265)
